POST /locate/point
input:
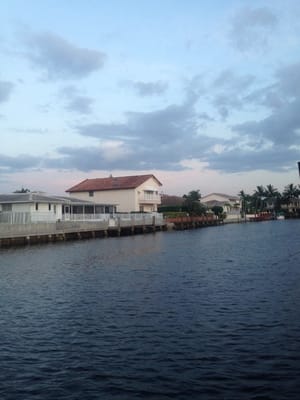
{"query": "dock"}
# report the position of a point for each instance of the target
(192, 222)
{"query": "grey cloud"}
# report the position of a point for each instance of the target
(286, 87)
(19, 163)
(158, 139)
(281, 128)
(224, 103)
(174, 122)
(277, 158)
(75, 101)
(289, 80)
(61, 59)
(251, 28)
(230, 89)
(144, 89)
(195, 88)
(88, 159)
(267, 96)
(136, 156)
(81, 104)
(5, 90)
(162, 138)
(229, 80)
(104, 131)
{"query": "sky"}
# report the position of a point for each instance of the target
(204, 95)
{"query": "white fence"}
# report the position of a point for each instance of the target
(122, 219)
(85, 217)
(14, 218)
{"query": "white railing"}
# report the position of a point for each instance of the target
(23, 218)
(15, 217)
(85, 217)
(149, 199)
(136, 219)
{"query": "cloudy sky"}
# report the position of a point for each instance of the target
(203, 94)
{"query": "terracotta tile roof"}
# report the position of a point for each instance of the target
(111, 183)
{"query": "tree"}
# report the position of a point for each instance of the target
(217, 210)
(272, 198)
(22, 190)
(194, 195)
(259, 197)
(246, 202)
(192, 203)
(290, 196)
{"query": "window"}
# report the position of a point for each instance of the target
(148, 194)
(36, 206)
(6, 207)
(49, 207)
(91, 193)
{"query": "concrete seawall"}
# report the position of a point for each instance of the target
(43, 232)
(21, 234)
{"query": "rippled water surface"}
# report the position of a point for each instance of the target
(211, 313)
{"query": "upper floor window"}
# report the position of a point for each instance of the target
(149, 194)
(91, 193)
(36, 206)
(49, 207)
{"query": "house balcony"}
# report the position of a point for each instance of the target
(149, 200)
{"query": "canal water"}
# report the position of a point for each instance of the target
(211, 313)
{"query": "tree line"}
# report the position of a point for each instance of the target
(264, 199)
(269, 199)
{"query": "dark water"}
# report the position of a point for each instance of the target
(205, 314)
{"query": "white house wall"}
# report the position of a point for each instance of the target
(42, 213)
(43, 210)
(124, 199)
(150, 185)
(21, 207)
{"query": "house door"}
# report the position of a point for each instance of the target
(66, 213)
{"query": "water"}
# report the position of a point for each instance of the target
(211, 313)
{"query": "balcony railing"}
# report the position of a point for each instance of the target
(148, 199)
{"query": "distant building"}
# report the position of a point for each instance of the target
(230, 204)
(138, 193)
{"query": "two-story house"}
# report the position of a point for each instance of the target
(138, 193)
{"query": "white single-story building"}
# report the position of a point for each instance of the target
(40, 207)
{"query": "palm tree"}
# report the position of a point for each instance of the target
(245, 202)
(272, 198)
(290, 196)
(259, 197)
